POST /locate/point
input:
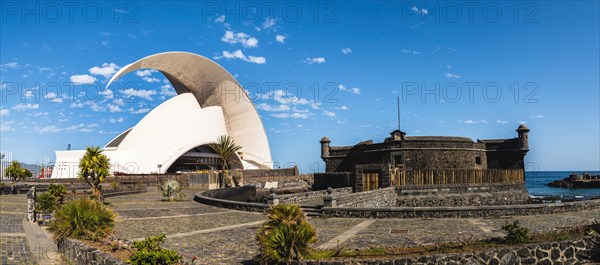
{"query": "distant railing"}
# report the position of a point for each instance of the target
(405, 177)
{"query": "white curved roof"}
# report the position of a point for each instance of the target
(211, 86)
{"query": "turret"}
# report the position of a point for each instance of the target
(325, 147)
(523, 133)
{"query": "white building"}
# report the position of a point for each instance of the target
(175, 135)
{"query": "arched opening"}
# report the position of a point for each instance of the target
(201, 158)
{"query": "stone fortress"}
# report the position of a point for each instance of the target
(426, 168)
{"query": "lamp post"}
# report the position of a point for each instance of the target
(159, 166)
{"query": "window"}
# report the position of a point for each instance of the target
(398, 159)
(478, 160)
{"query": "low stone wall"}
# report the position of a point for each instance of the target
(467, 199)
(205, 198)
(282, 181)
(460, 212)
(81, 254)
(565, 252)
(311, 195)
(444, 189)
(374, 198)
(334, 180)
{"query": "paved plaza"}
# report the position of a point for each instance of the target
(224, 236)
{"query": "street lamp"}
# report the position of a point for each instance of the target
(159, 166)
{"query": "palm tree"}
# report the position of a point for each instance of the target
(225, 147)
(93, 167)
(16, 173)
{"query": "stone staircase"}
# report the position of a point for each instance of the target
(312, 210)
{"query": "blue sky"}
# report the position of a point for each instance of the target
(474, 69)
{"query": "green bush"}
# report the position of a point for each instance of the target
(82, 219)
(285, 236)
(516, 234)
(58, 191)
(149, 252)
(46, 203)
(115, 185)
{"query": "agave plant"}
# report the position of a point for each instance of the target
(285, 236)
(170, 188)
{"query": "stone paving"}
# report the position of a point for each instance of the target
(210, 233)
(14, 247)
(224, 236)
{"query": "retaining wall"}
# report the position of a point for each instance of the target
(565, 252)
(374, 198)
(459, 212)
(81, 254)
(311, 195)
(205, 198)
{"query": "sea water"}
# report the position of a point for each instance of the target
(536, 184)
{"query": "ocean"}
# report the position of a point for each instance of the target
(536, 180)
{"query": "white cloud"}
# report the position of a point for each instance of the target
(106, 70)
(468, 121)
(114, 108)
(83, 79)
(139, 111)
(280, 38)
(450, 75)
(269, 23)
(145, 72)
(47, 129)
(317, 60)
(277, 108)
(119, 120)
(409, 51)
(329, 113)
(151, 79)
(11, 65)
(240, 55)
(344, 107)
(294, 115)
(353, 90)
(539, 116)
(346, 50)
(23, 106)
(240, 37)
(502, 121)
(421, 11)
(166, 90)
(53, 97)
(220, 19)
(107, 93)
(141, 93)
(4, 112)
(6, 126)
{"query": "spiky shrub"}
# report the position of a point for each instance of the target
(58, 191)
(285, 236)
(82, 219)
(170, 188)
(516, 234)
(149, 251)
(46, 203)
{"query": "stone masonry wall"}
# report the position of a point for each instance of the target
(81, 254)
(459, 212)
(374, 198)
(470, 199)
(311, 195)
(565, 252)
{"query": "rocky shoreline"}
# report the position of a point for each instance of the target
(577, 181)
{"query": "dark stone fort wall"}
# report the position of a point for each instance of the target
(445, 159)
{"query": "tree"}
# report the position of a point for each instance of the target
(94, 167)
(225, 147)
(16, 173)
